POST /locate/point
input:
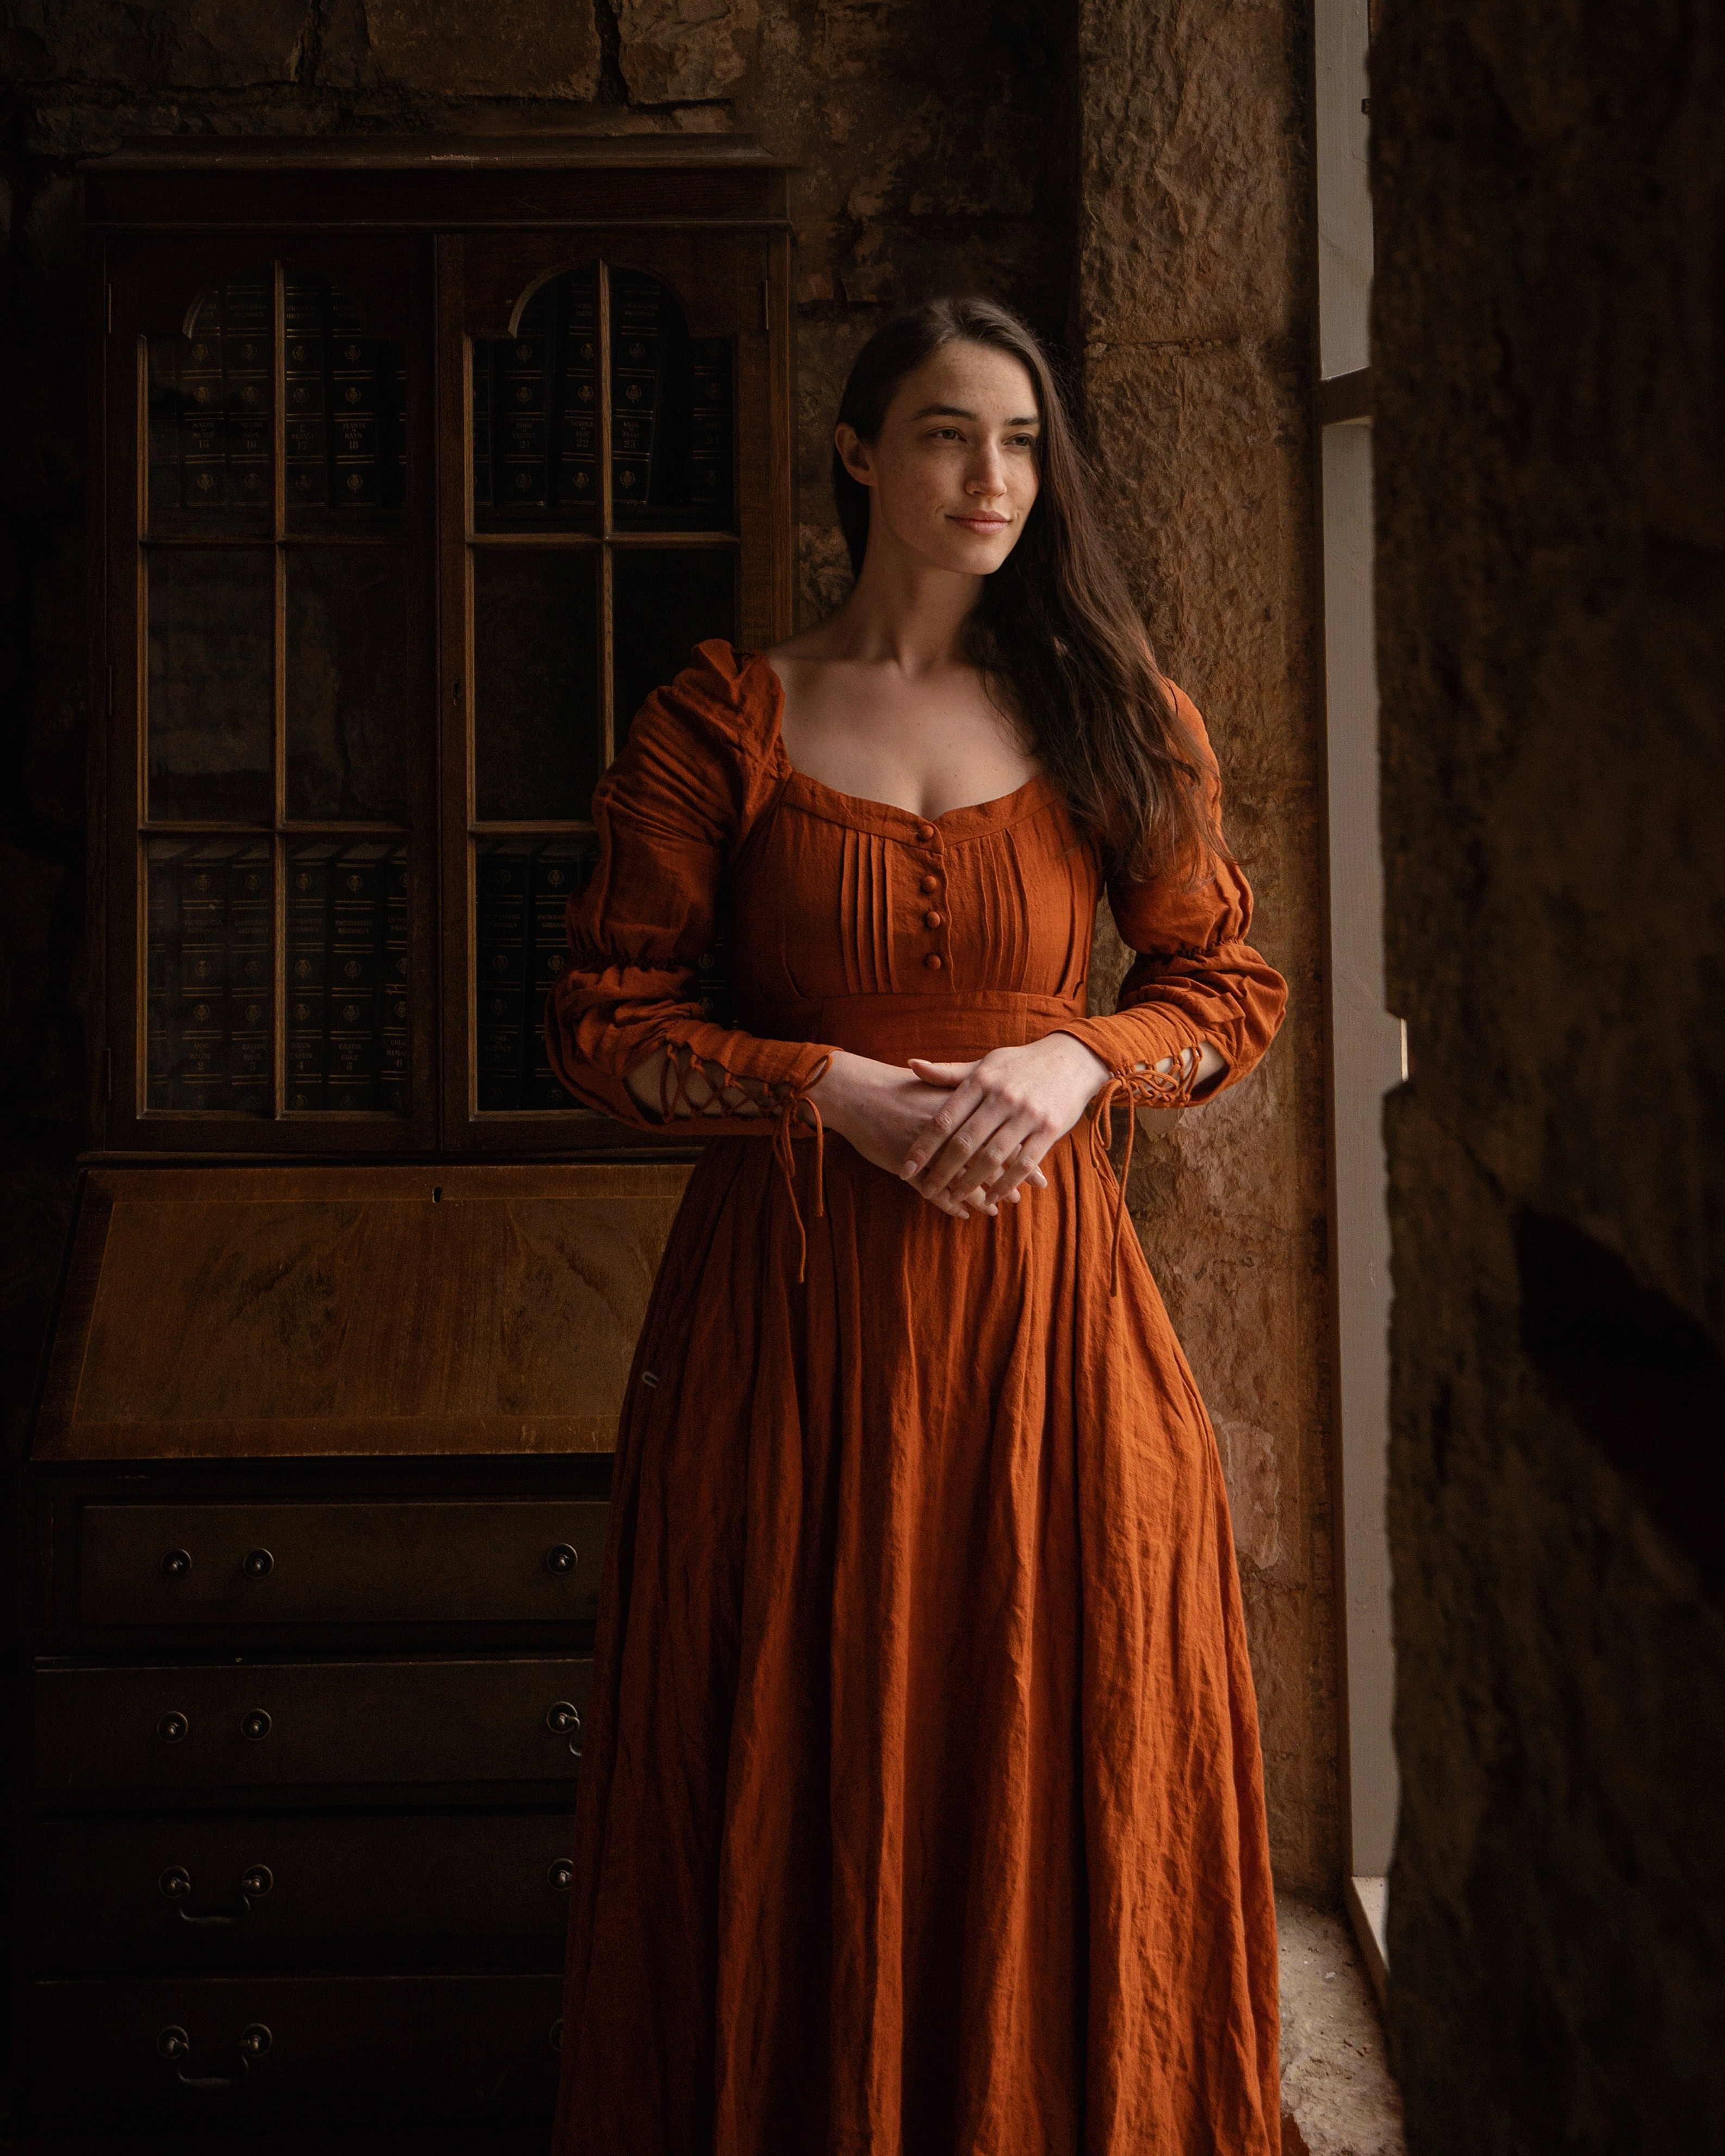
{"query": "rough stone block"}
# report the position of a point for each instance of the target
(682, 50)
(195, 44)
(505, 48)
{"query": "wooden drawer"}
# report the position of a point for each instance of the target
(185, 1891)
(259, 1725)
(526, 1559)
(197, 2045)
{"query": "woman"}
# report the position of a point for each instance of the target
(921, 1811)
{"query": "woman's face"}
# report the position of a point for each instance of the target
(952, 472)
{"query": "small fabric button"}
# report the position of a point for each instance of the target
(931, 883)
(934, 962)
(932, 919)
(925, 832)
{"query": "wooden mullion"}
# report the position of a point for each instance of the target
(278, 848)
(604, 607)
(454, 687)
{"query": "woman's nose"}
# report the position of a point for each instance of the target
(987, 477)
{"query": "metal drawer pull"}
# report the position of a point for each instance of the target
(258, 1563)
(171, 1728)
(562, 1559)
(176, 1883)
(565, 1720)
(176, 1563)
(560, 1877)
(176, 2045)
(255, 1728)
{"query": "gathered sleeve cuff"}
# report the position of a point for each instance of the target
(1194, 978)
(671, 813)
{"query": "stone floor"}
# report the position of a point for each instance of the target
(1337, 2098)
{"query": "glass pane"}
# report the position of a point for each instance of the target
(209, 1010)
(536, 404)
(211, 688)
(670, 414)
(536, 694)
(212, 415)
(347, 968)
(347, 683)
(345, 428)
(664, 600)
(522, 887)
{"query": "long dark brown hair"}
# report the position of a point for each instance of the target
(1055, 628)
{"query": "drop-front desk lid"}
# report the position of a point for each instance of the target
(215, 1313)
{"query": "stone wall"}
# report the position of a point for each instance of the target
(1551, 506)
(1193, 277)
(939, 147)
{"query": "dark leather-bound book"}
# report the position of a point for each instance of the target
(393, 1028)
(248, 305)
(562, 869)
(502, 877)
(309, 938)
(250, 989)
(519, 445)
(198, 1034)
(306, 461)
(354, 392)
(637, 374)
(357, 969)
(710, 425)
(483, 493)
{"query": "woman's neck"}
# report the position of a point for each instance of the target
(905, 612)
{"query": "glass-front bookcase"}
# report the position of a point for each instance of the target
(418, 470)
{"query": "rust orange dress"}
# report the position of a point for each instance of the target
(921, 1811)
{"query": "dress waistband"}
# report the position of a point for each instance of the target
(944, 1027)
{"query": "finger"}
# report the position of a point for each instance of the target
(944, 1074)
(938, 1130)
(974, 1155)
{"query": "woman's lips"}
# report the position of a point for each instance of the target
(983, 523)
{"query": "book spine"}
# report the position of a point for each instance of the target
(357, 963)
(502, 877)
(202, 435)
(562, 871)
(199, 1048)
(308, 937)
(637, 347)
(161, 975)
(353, 393)
(393, 1033)
(248, 310)
(710, 425)
(578, 384)
(166, 480)
(482, 484)
(251, 1012)
(306, 338)
(519, 445)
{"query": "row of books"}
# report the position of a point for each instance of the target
(210, 998)
(211, 407)
(536, 406)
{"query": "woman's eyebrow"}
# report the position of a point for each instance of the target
(958, 412)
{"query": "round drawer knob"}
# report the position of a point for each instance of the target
(256, 1881)
(564, 1718)
(176, 1563)
(560, 1878)
(562, 1559)
(173, 2042)
(258, 1565)
(554, 2036)
(255, 1728)
(255, 2040)
(176, 1882)
(171, 1728)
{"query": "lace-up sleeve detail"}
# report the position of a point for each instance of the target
(671, 813)
(1194, 978)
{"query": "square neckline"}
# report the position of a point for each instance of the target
(992, 810)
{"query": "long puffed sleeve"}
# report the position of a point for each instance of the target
(1194, 978)
(671, 813)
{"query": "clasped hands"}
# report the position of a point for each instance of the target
(968, 1137)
